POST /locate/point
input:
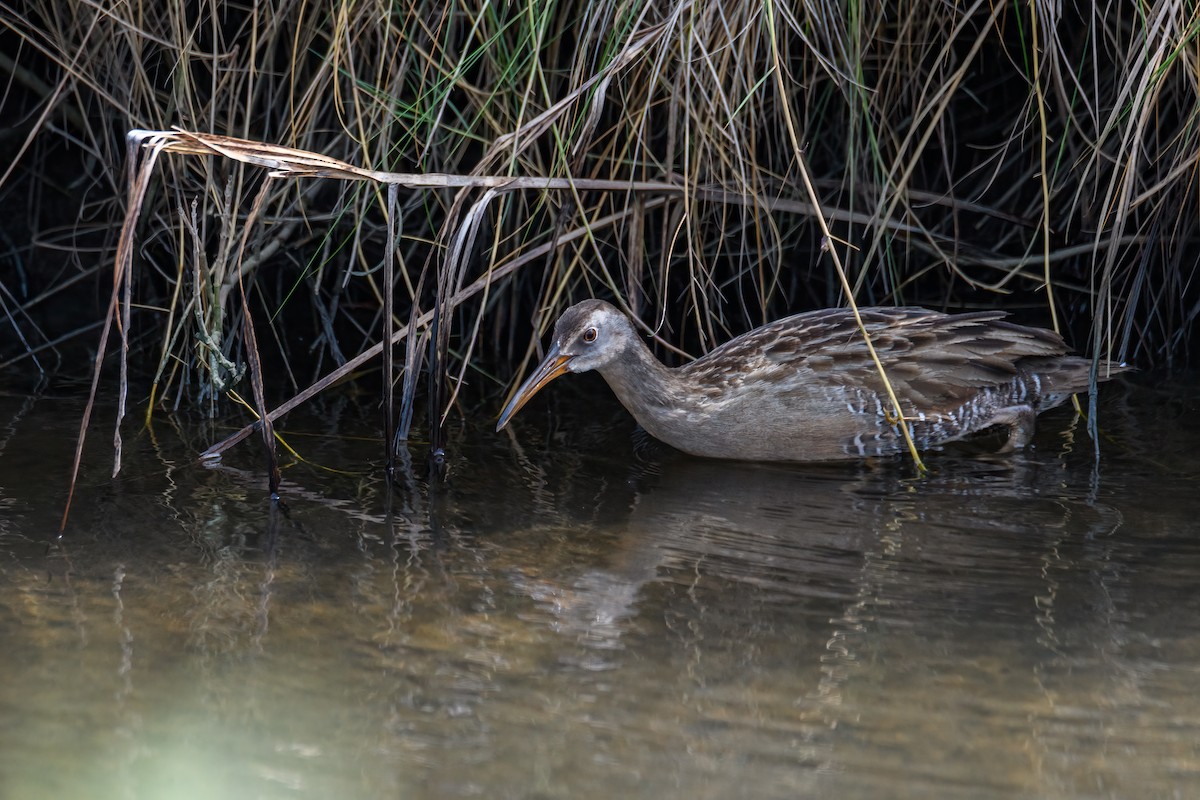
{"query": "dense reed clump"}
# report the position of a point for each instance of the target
(1041, 155)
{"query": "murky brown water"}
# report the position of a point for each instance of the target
(572, 617)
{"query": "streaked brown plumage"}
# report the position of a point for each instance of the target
(805, 388)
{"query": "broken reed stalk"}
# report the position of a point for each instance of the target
(139, 170)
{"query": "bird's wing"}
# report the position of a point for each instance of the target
(933, 360)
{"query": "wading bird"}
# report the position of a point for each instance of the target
(805, 388)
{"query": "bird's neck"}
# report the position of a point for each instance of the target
(642, 383)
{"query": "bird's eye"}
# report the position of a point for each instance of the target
(590, 335)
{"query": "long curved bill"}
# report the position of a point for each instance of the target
(553, 365)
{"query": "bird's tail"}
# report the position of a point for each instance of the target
(1057, 379)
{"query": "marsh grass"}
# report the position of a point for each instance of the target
(1039, 156)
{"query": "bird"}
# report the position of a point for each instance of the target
(805, 388)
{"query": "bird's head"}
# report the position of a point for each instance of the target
(587, 336)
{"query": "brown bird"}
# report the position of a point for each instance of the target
(805, 388)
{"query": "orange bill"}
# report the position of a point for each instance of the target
(553, 365)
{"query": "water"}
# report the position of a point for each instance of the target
(577, 614)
